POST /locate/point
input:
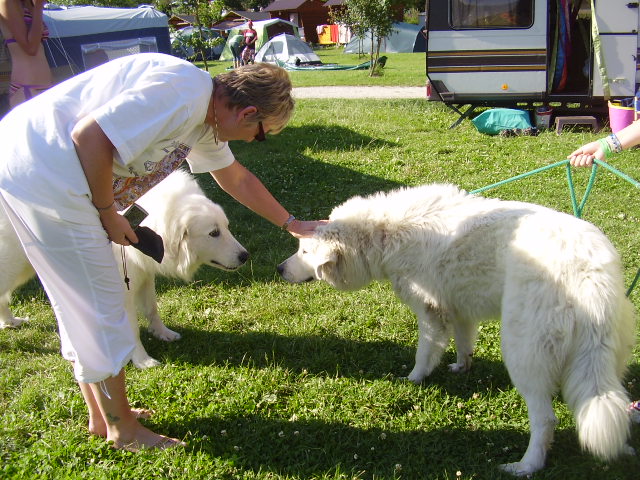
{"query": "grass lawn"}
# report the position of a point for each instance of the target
(279, 381)
(407, 69)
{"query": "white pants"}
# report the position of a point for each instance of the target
(77, 268)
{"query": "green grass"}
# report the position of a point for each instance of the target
(404, 69)
(279, 381)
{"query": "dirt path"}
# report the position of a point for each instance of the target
(359, 92)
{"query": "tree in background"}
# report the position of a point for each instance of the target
(205, 13)
(373, 16)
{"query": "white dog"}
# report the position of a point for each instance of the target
(457, 259)
(195, 232)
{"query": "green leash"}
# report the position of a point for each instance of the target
(577, 208)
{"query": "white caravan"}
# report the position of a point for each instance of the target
(574, 54)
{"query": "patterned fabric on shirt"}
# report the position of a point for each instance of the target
(127, 190)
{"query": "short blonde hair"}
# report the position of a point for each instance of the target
(262, 85)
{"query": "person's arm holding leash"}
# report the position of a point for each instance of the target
(603, 148)
(95, 152)
(247, 189)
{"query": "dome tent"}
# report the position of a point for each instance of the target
(287, 48)
(405, 38)
(266, 29)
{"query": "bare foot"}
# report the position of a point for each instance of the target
(163, 443)
(98, 428)
(143, 438)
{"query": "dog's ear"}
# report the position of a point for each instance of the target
(326, 262)
(173, 242)
(179, 249)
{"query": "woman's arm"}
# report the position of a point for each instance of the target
(95, 152)
(247, 189)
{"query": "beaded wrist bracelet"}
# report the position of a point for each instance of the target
(610, 145)
(286, 224)
(614, 142)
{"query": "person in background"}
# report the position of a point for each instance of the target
(603, 149)
(235, 45)
(24, 32)
(250, 38)
(79, 153)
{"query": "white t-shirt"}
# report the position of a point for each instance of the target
(149, 105)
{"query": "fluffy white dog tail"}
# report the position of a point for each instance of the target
(603, 424)
(593, 388)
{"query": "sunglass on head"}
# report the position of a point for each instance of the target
(260, 137)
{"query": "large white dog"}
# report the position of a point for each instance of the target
(457, 259)
(195, 232)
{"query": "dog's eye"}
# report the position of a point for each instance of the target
(214, 233)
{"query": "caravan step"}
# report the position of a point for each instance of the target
(576, 120)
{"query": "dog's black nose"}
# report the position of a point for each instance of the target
(244, 256)
(280, 269)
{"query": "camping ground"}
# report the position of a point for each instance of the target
(280, 381)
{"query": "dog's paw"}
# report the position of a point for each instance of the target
(141, 358)
(629, 450)
(518, 469)
(458, 367)
(147, 362)
(13, 322)
(165, 334)
(416, 376)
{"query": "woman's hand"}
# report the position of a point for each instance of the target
(117, 227)
(305, 228)
(583, 157)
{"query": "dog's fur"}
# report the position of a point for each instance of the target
(195, 232)
(457, 259)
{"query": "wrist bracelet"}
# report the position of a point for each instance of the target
(105, 208)
(285, 225)
(613, 140)
(606, 148)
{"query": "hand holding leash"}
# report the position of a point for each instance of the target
(117, 227)
(583, 157)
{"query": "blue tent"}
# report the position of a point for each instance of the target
(406, 37)
(82, 37)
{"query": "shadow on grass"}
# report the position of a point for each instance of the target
(309, 187)
(312, 448)
(323, 354)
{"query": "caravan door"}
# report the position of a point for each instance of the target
(487, 50)
(618, 26)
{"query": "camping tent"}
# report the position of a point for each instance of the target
(180, 47)
(406, 37)
(267, 29)
(287, 49)
(82, 37)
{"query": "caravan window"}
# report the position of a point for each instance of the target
(491, 13)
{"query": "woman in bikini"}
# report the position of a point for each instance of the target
(24, 31)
